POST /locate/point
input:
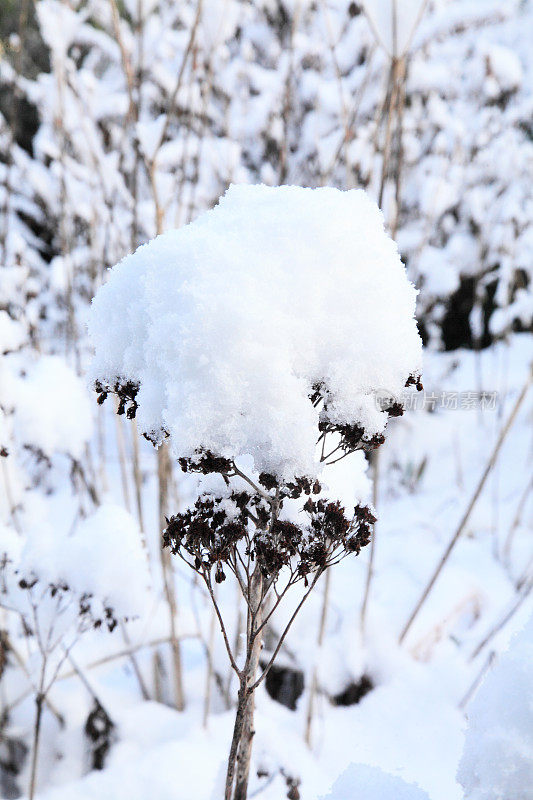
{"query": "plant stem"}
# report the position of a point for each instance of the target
(523, 595)
(370, 570)
(163, 474)
(252, 663)
(209, 671)
(39, 702)
(243, 732)
(237, 732)
(466, 516)
(320, 640)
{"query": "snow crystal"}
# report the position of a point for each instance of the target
(497, 760)
(228, 324)
(371, 783)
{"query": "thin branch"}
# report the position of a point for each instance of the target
(320, 641)
(516, 519)
(370, 568)
(335, 461)
(177, 87)
(266, 670)
(222, 626)
(272, 611)
(504, 620)
(248, 480)
(479, 677)
(126, 65)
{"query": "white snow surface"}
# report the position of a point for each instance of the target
(371, 783)
(104, 558)
(497, 761)
(228, 323)
(53, 411)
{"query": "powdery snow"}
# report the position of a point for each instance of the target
(103, 558)
(52, 408)
(228, 323)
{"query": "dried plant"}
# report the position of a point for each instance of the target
(241, 532)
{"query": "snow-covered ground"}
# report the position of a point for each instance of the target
(412, 722)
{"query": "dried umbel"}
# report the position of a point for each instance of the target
(242, 530)
(84, 610)
(209, 538)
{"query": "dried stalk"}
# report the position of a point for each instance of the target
(320, 640)
(370, 569)
(136, 669)
(516, 521)
(466, 516)
(121, 450)
(248, 681)
(163, 474)
(137, 479)
(523, 595)
(209, 671)
(8, 644)
(479, 677)
(39, 700)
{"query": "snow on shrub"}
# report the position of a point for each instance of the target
(103, 560)
(228, 326)
(12, 333)
(52, 409)
(361, 782)
(101, 566)
(497, 762)
(272, 324)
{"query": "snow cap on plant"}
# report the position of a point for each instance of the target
(280, 314)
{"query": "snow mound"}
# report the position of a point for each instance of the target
(52, 408)
(361, 782)
(497, 760)
(103, 558)
(229, 323)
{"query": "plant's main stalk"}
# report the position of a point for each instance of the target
(252, 663)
